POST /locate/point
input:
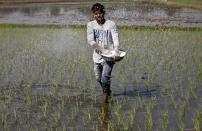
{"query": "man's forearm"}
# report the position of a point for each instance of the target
(116, 48)
(96, 46)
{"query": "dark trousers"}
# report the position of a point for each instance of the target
(103, 74)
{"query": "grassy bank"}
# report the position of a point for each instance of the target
(195, 4)
(84, 26)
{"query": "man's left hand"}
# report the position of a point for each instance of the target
(116, 55)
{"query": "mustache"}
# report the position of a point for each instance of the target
(99, 16)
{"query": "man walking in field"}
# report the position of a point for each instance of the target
(102, 35)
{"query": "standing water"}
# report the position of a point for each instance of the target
(46, 71)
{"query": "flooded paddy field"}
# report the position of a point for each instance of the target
(47, 80)
(46, 70)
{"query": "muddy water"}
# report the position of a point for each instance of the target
(135, 13)
(47, 78)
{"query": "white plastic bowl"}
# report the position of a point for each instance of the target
(110, 56)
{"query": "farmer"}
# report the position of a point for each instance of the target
(102, 35)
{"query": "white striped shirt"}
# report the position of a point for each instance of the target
(105, 35)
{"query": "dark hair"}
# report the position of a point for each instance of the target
(98, 7)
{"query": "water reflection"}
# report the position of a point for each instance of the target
(29, 11)
(125, 13)
(55, 11)
(171, 11)
(104, 117)
(26, 11)
(146, 10)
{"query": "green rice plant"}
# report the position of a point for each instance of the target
(8, 96)
(71, 71)
(139, 128)
(64, 128)
(89, 116)
(32, 129)
(56, 82)
(56, 118)
(45, 107)
(4, 121)
(92, 92)
(172, 101)
(197, 123)
(197, 119)
(118, 117)
(192, 88)
(164, 120)
(140, 102)
(118, 114)
(181, 116)
(74, 111)
(105, 117)
(28, 99)
(62, 107)
(149, 109)
(125, 126)
(27, 127)
(178, 79)
(15, 113)
(111, 126)
(83, 86)
(132, 117)
(149, 119)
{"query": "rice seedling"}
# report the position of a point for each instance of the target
(181, 116)
(132, 117)
(45, 107)
(56, 118)
(92, 92)
(4, 121)
(15, 113)
(117, 114)
(149, 119)
(197, 118)
(197, 123)
(164, 120)
(47, 76)
(192, 88)
(172, 101)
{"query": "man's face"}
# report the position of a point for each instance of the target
(98, 15)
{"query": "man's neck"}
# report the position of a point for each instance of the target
(101, 22)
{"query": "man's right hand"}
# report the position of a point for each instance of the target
(96, 46)
(105, 51)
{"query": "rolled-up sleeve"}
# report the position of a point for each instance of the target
(115, 36)
(90, 34)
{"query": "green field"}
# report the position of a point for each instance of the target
(47, 80)
(186, 3)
